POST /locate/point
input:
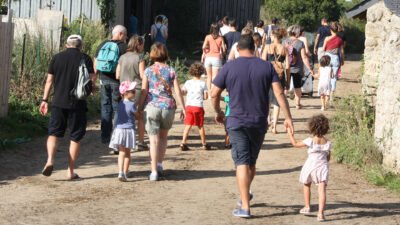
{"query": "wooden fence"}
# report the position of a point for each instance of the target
(241, 10)
(6, 45)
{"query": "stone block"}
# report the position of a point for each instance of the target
(375, 12)
(374, 30)
(370, 43)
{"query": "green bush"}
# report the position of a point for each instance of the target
(354, 31)
(180, 69)
(353, 132)
(92, 32)
(353, 129)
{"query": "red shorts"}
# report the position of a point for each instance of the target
(194, 116)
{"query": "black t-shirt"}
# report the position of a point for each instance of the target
(64, 66)
(342, 36)
(323, 31)
(122, 50)
(231, 38)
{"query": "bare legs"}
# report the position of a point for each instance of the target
(74, 147)
(324, 102)
(211, 74)
(244, 176)
(158, 147)
(124, 160)
(141, 130)
(202, 133)
(275, 118)
(321, 198)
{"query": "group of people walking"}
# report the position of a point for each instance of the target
(136, 98)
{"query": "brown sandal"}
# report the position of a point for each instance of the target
(206, 147)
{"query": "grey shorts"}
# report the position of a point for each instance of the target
(246, 145)
(157, 119)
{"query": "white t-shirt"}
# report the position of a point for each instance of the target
(224, 29)
(195, 91)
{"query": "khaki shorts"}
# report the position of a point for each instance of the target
(320, 53)
(157, 119)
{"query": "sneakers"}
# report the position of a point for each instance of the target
(206, 147)
(243, 213)
(239, 202)
(142, 146)
(160, 169)
(153, 176)
(122, 177)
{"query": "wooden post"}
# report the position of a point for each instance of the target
(6, 46)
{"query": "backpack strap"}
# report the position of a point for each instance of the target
(166, 86)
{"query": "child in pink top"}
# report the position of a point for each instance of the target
(316, 167)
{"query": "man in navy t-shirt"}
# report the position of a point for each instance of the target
(323, 32)
(248, 80)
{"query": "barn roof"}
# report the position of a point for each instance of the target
(360, 8)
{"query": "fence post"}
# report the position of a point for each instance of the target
(6, 46)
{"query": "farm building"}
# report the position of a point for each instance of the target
(198, 14)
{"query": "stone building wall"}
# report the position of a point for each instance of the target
(381, 79)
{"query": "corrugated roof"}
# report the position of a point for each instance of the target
(360, 8)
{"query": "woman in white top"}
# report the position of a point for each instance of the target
(260, 28)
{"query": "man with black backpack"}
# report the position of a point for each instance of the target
(68, 108)
(106, 61)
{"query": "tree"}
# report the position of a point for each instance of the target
(107, 10)
(307, 13)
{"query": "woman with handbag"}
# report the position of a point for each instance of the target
(277, 54)
(213, 53)
(159, 111)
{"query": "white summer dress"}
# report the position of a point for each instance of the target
(316, 168)
(324, 84)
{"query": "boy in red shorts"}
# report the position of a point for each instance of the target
(196, 92)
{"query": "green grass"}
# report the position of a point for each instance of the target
(23, 123)
(353, 133)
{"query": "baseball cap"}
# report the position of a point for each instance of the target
(126, 86)
(74, 37)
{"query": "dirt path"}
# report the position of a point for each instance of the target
(199, 187)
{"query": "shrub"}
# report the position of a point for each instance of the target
(353, 127)
(180, 69)
(355, 34)
(353, 131)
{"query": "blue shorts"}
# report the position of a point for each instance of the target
(246, 144)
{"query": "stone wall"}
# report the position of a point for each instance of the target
(381, 79)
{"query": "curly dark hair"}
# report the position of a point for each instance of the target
(197, 69)
(318, 125)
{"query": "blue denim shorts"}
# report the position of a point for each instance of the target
(246, 145)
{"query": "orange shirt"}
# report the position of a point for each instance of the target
(214, 46)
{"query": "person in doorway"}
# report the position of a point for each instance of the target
(159, 31)
(65, 110)
(248, 80)
(109, 85)
(133, 24)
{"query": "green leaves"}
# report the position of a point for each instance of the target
(107, 9)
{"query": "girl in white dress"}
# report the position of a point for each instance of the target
(316, 168)
(325, 75)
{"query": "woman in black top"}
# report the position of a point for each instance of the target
(277, 54)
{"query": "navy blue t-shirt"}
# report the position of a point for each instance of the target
(323, 31)
(248, 80)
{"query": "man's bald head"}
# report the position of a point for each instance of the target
(119, 33)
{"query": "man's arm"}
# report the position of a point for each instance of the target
(316, 44)
(283, 103)
(43, 109)
(215, 100)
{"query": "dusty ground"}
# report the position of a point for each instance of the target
(199, 187)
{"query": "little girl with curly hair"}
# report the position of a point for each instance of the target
(316, 167)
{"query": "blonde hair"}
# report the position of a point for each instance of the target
(134, 42)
